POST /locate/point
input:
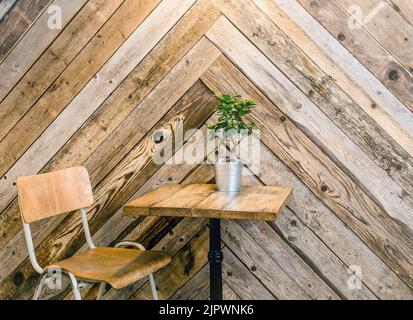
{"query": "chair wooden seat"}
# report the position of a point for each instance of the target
(117, 266)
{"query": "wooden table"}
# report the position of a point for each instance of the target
(203, 201)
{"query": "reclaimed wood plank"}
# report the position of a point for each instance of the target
(152, 69)
(389, 73)
(384, 20)
(197, 286)
(203, 200)
(139, 83)
(33, 44)
(5, 6)
(404, 8)
(95, 92)
(42, 75)
(113, 231)
(185, 264)
(307, 245)
(312, 230)
(76, 75)
(322, 91)
(313, 121)
(344, 197)
(338, 65)
(17, 20)
(77, 155)
(244, 282)
(271, 274)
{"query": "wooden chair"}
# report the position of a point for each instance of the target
(46, 195)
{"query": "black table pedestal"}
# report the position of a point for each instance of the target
(215, 259)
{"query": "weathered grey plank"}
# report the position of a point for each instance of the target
(241, 279)
(17, 20)
(33, 44)
(5, 6)
(386, 109)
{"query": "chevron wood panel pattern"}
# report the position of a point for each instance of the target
(335, 103)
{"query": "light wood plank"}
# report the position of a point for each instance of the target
(381, 95)
(201, 62)
(49, 194)
(312, 120)
(5, 6)
(338, 65)
(33, 44)
(194, 287)
(41, 77)
(383, 22)
(153, 68)
(75, 76)
(184, 265)
(203, 200)
(307, 220)
(404, 8)
(139, 83)
(242, 280)
(178, 237)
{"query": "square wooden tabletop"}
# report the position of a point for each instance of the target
(203, 200)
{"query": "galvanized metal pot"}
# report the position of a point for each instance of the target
(228, 175)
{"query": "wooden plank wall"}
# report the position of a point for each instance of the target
(335, 100)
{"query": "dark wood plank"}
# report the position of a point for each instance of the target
(17, 20)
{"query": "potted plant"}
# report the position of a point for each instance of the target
(230, 129)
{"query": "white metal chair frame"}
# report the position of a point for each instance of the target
(73, 281)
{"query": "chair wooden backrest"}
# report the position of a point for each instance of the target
(49, 194)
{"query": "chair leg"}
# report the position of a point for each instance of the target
(151, 277)
(101, 291)
(153, 287)
(42, 281)
(40, 286)
(75, 286)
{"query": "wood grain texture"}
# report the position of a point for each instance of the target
(33, 44)
(335, 113)
(307, 220)
(399, 44)
(49, 194)
(360, 43)
(322, 91)
(130, 173)
(38, 81)
(17, 20)
(203, 200)
(5, 7)
(117, 266)
(339, 65)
